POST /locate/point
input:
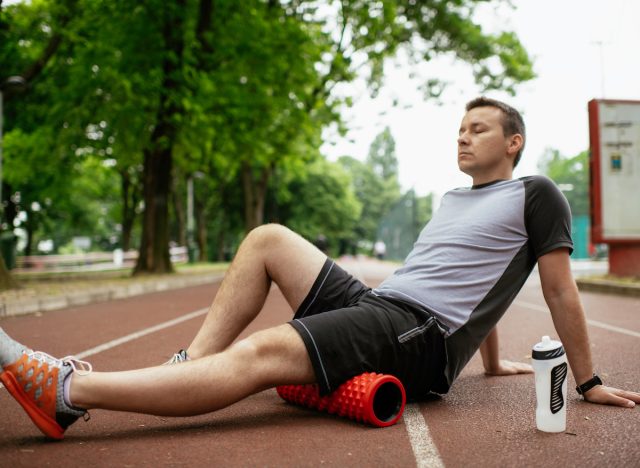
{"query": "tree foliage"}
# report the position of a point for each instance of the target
(572, 176)
(127, 100)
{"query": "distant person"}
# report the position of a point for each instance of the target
(422, 324)
(379, 249)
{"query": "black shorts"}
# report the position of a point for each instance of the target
(349, 330)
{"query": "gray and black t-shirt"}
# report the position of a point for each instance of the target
(473, 257)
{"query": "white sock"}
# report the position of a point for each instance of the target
(65, 392)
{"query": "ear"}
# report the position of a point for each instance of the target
(514, 144)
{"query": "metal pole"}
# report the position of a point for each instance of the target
(601, 45)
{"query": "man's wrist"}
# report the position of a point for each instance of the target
(588, 385)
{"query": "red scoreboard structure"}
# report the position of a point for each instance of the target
(614, 131)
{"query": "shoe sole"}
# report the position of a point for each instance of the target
(45, 423)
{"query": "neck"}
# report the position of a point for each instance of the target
(484, 178)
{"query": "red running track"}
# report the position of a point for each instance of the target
(481, 422)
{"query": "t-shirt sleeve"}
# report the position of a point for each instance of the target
(547, 216)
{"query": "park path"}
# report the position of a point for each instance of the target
(481, 422)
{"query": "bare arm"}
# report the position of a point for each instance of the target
(561, 294)
(493, 365)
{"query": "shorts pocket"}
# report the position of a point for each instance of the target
(417, 331)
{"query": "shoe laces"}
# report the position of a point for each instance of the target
(78, 366)
(180, 356)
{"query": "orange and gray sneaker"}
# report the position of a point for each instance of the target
(37, 381)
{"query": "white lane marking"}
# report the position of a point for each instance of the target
(140, 334)
(424, 450)
(593, 323)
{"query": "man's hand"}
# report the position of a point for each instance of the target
(612, 396)
(505, 367)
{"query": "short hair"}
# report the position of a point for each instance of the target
(512, 122)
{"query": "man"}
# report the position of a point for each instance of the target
(422, 324)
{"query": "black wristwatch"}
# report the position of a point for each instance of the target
(588, 385)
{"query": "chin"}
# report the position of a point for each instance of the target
(465, 168)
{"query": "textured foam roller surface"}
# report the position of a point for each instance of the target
(369, 398)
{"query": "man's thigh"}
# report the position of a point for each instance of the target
(291, 261)
(333, 288)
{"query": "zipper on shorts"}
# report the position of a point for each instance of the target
(406, 336)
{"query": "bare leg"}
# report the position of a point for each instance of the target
(265, 359)
(268, 253)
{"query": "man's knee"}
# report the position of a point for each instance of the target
(268, 234)
(278, 353)
(279, 342)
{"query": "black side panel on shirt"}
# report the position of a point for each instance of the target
(547, 219)
(547, 216)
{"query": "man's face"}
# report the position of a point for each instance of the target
(482, 145)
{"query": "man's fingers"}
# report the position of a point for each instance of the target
(619, 401)
(510, 368)
(613, 396)
(518, 367)
(524, 368)
(629, 396)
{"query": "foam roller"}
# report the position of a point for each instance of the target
(369, 398)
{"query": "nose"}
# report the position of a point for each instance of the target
(463, 139)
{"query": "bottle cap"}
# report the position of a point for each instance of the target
(547, 349)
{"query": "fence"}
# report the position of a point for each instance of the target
(91, 261)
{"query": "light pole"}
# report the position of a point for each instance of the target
(16, 82)
(193, 251)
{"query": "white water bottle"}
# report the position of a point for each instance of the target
(550, 365)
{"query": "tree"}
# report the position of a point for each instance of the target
(158, 157)
(572, 176)
(320, 201)
(382, 155)
(20, 56)
(375, 183)
(363, 35)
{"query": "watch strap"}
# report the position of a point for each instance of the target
(588, 385)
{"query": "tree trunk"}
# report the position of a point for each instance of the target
(6, 280)
(254, 195)
(30, 228)
(10, 208)
(129, 203)
(154, 248)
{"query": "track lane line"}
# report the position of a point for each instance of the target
(424, 450)
(593, 323)
(139, 334)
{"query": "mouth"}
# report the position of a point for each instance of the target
(463, 154)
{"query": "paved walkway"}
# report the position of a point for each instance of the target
(52, 295)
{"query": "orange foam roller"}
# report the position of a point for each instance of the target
(370, 398)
